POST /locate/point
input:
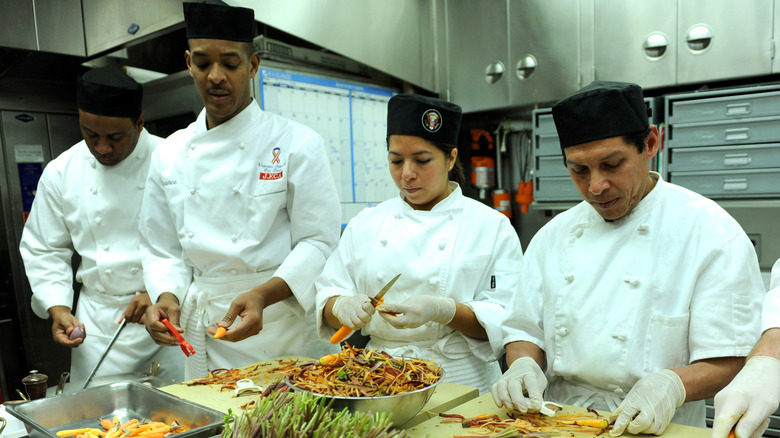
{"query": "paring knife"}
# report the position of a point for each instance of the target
(344, 331)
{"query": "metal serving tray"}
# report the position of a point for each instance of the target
(125, 400)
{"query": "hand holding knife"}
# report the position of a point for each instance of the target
(344, 331)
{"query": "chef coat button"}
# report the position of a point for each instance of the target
(442, 245)
(134, 271)
(190, 234)
(642, 228)
(616, 389)
(192, 191)
(380, 278)
(108, 272)
(233, 272)
(234, 238)
(93, 190)
(569, 278)
(633, 281)
(98, 220)
(563, 331)
(106, 247)
(241, 146)
(579, 232)
(141, 186)
(620, 336)
(235, 190)
(383, 242)
(433, 282)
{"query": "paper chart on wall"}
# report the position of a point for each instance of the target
(351, 118)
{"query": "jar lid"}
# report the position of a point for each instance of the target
(35, 377)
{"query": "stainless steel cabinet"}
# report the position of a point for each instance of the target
(544, 45)
(720, 39)
(479, 71)
(634, 41)
(45, 25)
(512, 52)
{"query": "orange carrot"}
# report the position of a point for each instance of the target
(106, 423)
(221, 331)
(340, 335)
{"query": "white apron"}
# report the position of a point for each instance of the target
(285, 331)
(132, 351)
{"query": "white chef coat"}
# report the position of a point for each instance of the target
(230, 207)
(770, 317)
(674, 282)
(83, 206)
(460, 249)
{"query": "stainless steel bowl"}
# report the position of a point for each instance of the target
(402, 407)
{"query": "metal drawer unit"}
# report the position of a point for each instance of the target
(551, 178)
(725, 144)
(552, 182)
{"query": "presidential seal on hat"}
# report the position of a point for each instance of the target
(219, 22)
(600, 110)
(110, 92)
(427, 117)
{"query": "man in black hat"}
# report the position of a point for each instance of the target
(88, 200)
(240, 214)
(643, 299)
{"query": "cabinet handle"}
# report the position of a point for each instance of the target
(732, 185)
(736, 160)
(494, 72)
(735, 134)
(699, 38)
(655, 45)
(738, 109)
(526, 67)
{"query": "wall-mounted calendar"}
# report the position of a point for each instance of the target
(352, 119)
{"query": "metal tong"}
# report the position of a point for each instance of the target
(185, 346)
(105, 353)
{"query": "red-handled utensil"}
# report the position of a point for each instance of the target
(185, 346)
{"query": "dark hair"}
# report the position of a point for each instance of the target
(638, 139)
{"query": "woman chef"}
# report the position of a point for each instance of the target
(459, 260)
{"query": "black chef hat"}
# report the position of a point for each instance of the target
(219, 22)
(600, 110)
(432, 119)
(108, 91)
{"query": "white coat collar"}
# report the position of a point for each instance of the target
(451, 202)
(243, 118)
(646, 204)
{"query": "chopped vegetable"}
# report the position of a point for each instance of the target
(131, 428)
(534, 424)
(356, 372)
(221, 331)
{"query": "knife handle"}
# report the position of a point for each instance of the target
(340, 335)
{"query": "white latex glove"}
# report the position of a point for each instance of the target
(754, 393)
(416, 311)
(650, 405)
(524, 375)
(353, 311)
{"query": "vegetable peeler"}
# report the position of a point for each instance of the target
(185, 346)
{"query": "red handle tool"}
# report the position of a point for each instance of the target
(185, 346)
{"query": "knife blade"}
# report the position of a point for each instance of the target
(344, 331)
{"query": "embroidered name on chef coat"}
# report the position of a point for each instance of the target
(273, 170)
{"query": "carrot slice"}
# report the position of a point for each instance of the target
(221, 331)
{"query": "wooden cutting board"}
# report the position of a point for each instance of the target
(485, 405)
(446, 396)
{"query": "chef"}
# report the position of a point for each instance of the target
(642, 299)
(240, 212)
(88, 201)
(459, 260)
(754, 394)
